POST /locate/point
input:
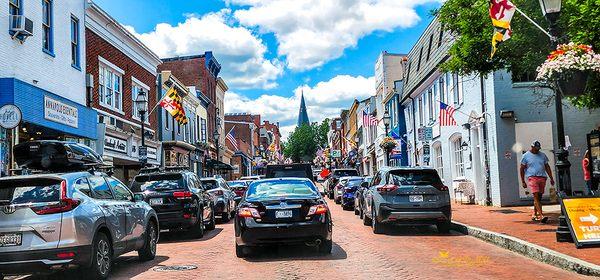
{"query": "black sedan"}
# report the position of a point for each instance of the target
(280, 212)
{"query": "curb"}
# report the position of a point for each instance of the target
(530, 250)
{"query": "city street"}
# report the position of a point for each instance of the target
(407, 252)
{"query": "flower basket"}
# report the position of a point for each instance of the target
(388, 143)
(568, 67)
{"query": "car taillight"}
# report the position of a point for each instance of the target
(317, 210)
(65, 255)
(440, 187)
(248, 212)
(386, 188)
(182, 195)
(65, 203)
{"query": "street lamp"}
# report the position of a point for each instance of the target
(551, 10)
(386, 123)
(141, 104)
(216, 135)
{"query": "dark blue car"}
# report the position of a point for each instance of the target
(348, 191)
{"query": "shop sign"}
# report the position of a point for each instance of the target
(115, 144)
(425, 133)
(60, 112)
(143, 152)
(152, 153)
(336, 153)
(10, 116)
(583, 216)
(426, 153)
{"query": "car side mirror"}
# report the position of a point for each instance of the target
(138, 197)
(364, 184)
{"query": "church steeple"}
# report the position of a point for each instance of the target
(302, 114)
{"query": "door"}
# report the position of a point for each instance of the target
(525, 134)
(114, 213)
(204, 197)
(134, 212)
(370, 192)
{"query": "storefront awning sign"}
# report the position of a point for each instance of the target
(10, 116)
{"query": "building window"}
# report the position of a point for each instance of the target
(459, 164)
(431, 103)
(441, 36)
(407, 73)
(421, 111)
(110, 90)
(136, 87)
(419, 62)
(75, 42)
(429, 46)
(442, 91)
(203, 129)
(167, 121)
(48, 44)
(457, 92)
(439, 161)
(14, 7)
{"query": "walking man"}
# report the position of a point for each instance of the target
(534, 172)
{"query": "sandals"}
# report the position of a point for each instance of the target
(542, 220)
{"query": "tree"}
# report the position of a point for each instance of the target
(321, 131)
(469, 23)
(301, 144)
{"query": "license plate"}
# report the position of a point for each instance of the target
(10, 239)
(415, 198)
(283, 214)
(156, 201)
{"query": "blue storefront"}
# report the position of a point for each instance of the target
(399, 155)
(45, 116)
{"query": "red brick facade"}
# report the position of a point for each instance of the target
(96, 46)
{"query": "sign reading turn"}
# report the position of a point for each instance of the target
(583, 215)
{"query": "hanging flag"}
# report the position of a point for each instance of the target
(172, 103)
(501, 13)
(231, 137)
(447, 115)
(369, 120)
(394, 135)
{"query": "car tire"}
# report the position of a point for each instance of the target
(338, 201)
(356, 212)
(197, 230)
(211, 225)
(330, 195)
(148, 252)
(376, 225)
(102, 248)
(361, 214)
(225, 216)
(444, 227)
(239, 251)
(366, 220)
(326, 247)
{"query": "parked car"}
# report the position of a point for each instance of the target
(349, 189)
(178, 198)
(223, 197)
(295, 170)
(339, 188)
(282, 211)
(333, 179)
(71, 219)
(407, 195)
(239, 187)
(359, 196)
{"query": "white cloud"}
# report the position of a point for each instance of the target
(240, 52)
(324, 100)
(312, 32)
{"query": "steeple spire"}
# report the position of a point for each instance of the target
(302, 114)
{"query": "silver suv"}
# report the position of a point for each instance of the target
(407, 195)
(75, 219)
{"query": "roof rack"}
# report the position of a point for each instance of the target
(177, 168)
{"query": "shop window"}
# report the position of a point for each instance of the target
(457, 158)
(110, 90)
(47, 22)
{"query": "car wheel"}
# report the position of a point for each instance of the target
(366, 220)
(198, 228)
(330, 195)
(444, 227)
(338, 201)
(356, 212)
(102, 257)
(376, 225)
(239, 251)
(211, 225)
(325, 247)
(361, 214)
(148, 252)
(225, 216)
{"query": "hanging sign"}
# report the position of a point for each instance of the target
(583, 217)
(10, 116)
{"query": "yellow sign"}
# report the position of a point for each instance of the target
(584, 218)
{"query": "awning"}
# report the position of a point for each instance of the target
(217, 165)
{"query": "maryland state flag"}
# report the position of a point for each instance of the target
(501, 13)
(173, 104)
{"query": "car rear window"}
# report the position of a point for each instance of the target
(414, 177)
(354, 182)
(158, 182)
(289, 173)
(282, 188)
(236, 184)
(210, 184)
(342, 173)
(29, 191)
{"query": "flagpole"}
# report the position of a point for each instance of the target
(534, 23)
(456, 110)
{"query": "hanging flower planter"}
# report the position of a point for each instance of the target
(568, 67)
(388, 143)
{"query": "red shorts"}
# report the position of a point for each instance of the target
(536, 184)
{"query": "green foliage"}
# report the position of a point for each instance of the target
(321, 133)
(469, 22)
(302, 144)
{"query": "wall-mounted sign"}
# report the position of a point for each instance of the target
(583, 216)
(115, 144)
(336, 153)
(152, 153)
(60, 112)
(10, 116)
(425, 133)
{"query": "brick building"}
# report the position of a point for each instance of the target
(121, 67)
(246, 128)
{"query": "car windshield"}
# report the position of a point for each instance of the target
(158, 182)
(281, 188)
(342, 173)
(29, 191)
(210, 184)
(414, 177)
(236, 184)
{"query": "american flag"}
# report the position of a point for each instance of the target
(232, 140)
(447, 115)
(369, 120)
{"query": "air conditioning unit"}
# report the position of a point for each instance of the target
(21, 25)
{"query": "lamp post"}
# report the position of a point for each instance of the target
(386, 123)
(141, 104)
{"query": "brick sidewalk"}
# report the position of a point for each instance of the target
(516, 222)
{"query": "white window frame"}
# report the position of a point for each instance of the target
(104, 68)
(458, 166)
(439, 160)
(136, 85)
